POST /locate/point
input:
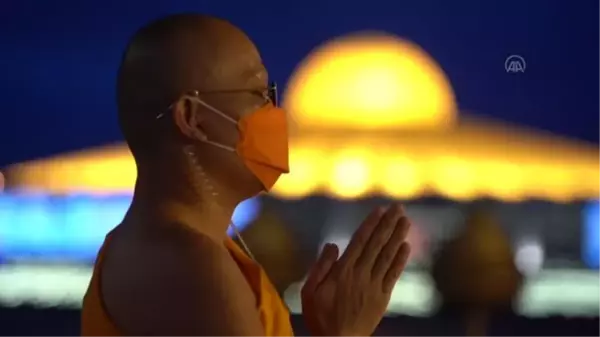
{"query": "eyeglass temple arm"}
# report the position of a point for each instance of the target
(274, 94)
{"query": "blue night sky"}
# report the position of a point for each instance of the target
(59, 58)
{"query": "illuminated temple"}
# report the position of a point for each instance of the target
(372, 117)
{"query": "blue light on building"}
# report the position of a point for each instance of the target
(71, 228)
(591, 235)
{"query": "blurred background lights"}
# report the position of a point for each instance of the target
(591, 235)
(245, 213)
(400, 178)
(350, 175)
(367, 81)
(72, 228)
(529, 256)
(455, 178)
(59, 228)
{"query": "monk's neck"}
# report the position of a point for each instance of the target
(186, 203)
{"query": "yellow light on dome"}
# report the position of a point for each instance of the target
(351, 174)
(370, 81)
(503, 180)
(306, 169)
(106, 171)
(453, 178)
(588, 178)
(400, 178)
(556, 179)
(349, 171)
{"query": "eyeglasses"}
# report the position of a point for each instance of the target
(269, 94)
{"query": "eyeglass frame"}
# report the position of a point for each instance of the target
(269, 94)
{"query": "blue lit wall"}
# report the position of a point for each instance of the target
(591, 235)
(246, 212)
(70, 228)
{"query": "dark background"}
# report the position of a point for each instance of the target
(27, 321)
(59, 58)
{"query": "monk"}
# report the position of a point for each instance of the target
(204, 129)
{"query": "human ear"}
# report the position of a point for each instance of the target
(187, 117)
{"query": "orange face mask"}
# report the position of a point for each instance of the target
(263, 143)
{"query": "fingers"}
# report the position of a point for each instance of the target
(361, 236)
(387, 255)
(380, 237)
(397, 267)
(321, 268)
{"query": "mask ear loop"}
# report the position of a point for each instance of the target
(219, 113)
(244, 245)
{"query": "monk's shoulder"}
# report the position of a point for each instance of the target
(178, 281)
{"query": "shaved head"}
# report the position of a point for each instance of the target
(173, 56)
(167, 128)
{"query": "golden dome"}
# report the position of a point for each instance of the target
(370, 81)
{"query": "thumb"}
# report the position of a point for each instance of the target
(321, 268)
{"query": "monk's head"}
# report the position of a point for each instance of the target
(194, 101)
